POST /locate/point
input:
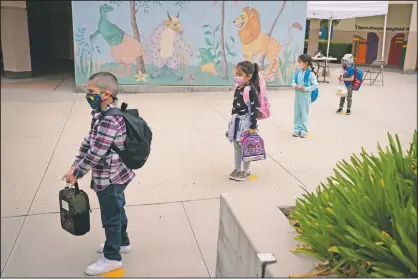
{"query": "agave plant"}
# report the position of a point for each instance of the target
(363, 221)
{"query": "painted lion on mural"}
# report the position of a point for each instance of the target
(256, 43)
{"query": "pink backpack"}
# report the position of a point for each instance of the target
(263, 99)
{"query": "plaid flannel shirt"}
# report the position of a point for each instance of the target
(95, 153)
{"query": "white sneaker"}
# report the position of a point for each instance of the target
(103, 265)
(123, 249)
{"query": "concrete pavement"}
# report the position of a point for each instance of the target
(173, 204)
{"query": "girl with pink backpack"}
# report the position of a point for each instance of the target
(249, 105)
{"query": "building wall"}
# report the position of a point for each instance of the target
(195, 56)
(399, 17)
(14, 4)
(15, 40)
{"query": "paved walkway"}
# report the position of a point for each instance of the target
(173, 205)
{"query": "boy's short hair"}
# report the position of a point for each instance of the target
(106, 81)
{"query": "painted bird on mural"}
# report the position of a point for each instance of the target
(124, 48)
(166, 47)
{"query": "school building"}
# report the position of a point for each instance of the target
(37, 37)
(366, 35)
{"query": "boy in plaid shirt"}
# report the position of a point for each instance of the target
(110, 176)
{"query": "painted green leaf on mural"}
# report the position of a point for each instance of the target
(227, 47)
(203, 56)
(216, 29)
(217, 45)
(208, 33)
(233, 54)
(232, 39)
(208, 42)
(181, 3)
(206, 56)
(205, 26)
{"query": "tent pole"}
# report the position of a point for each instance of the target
(384, 36)
(329, 34)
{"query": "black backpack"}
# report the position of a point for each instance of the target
(138, 137)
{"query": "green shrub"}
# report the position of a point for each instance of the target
(336, 49)
(363, 221)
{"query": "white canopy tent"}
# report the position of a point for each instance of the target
(348, 9)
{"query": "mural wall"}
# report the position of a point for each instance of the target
(187, 42)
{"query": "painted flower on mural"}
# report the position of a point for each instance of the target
(141, 77)
(191, 77)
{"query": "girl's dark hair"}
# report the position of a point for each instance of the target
(306, 58)
(250, 68)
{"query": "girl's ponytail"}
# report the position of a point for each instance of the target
(312, 67)
(307, 59)
(255, 78)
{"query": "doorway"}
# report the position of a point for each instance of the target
(50, 37)
(395, 51)
(359, 49)
(372, 46)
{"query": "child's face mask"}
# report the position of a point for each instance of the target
(94, 100)
(300, 65)
(241, 78)
(344, 64)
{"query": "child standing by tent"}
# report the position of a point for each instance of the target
(347, 63)
(303, 95)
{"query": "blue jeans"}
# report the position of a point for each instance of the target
(114, 221)
(301, 112)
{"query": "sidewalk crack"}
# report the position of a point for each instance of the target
(37, 190)
(194, 235)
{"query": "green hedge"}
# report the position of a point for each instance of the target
(362, 222)
(336, 49)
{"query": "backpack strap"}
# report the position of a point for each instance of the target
(112, 112)
(355, 73)
(246, 94)
(296, 77)
(306, 76)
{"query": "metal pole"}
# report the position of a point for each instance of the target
(329, 40)
(329, 34)
(384, 37)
